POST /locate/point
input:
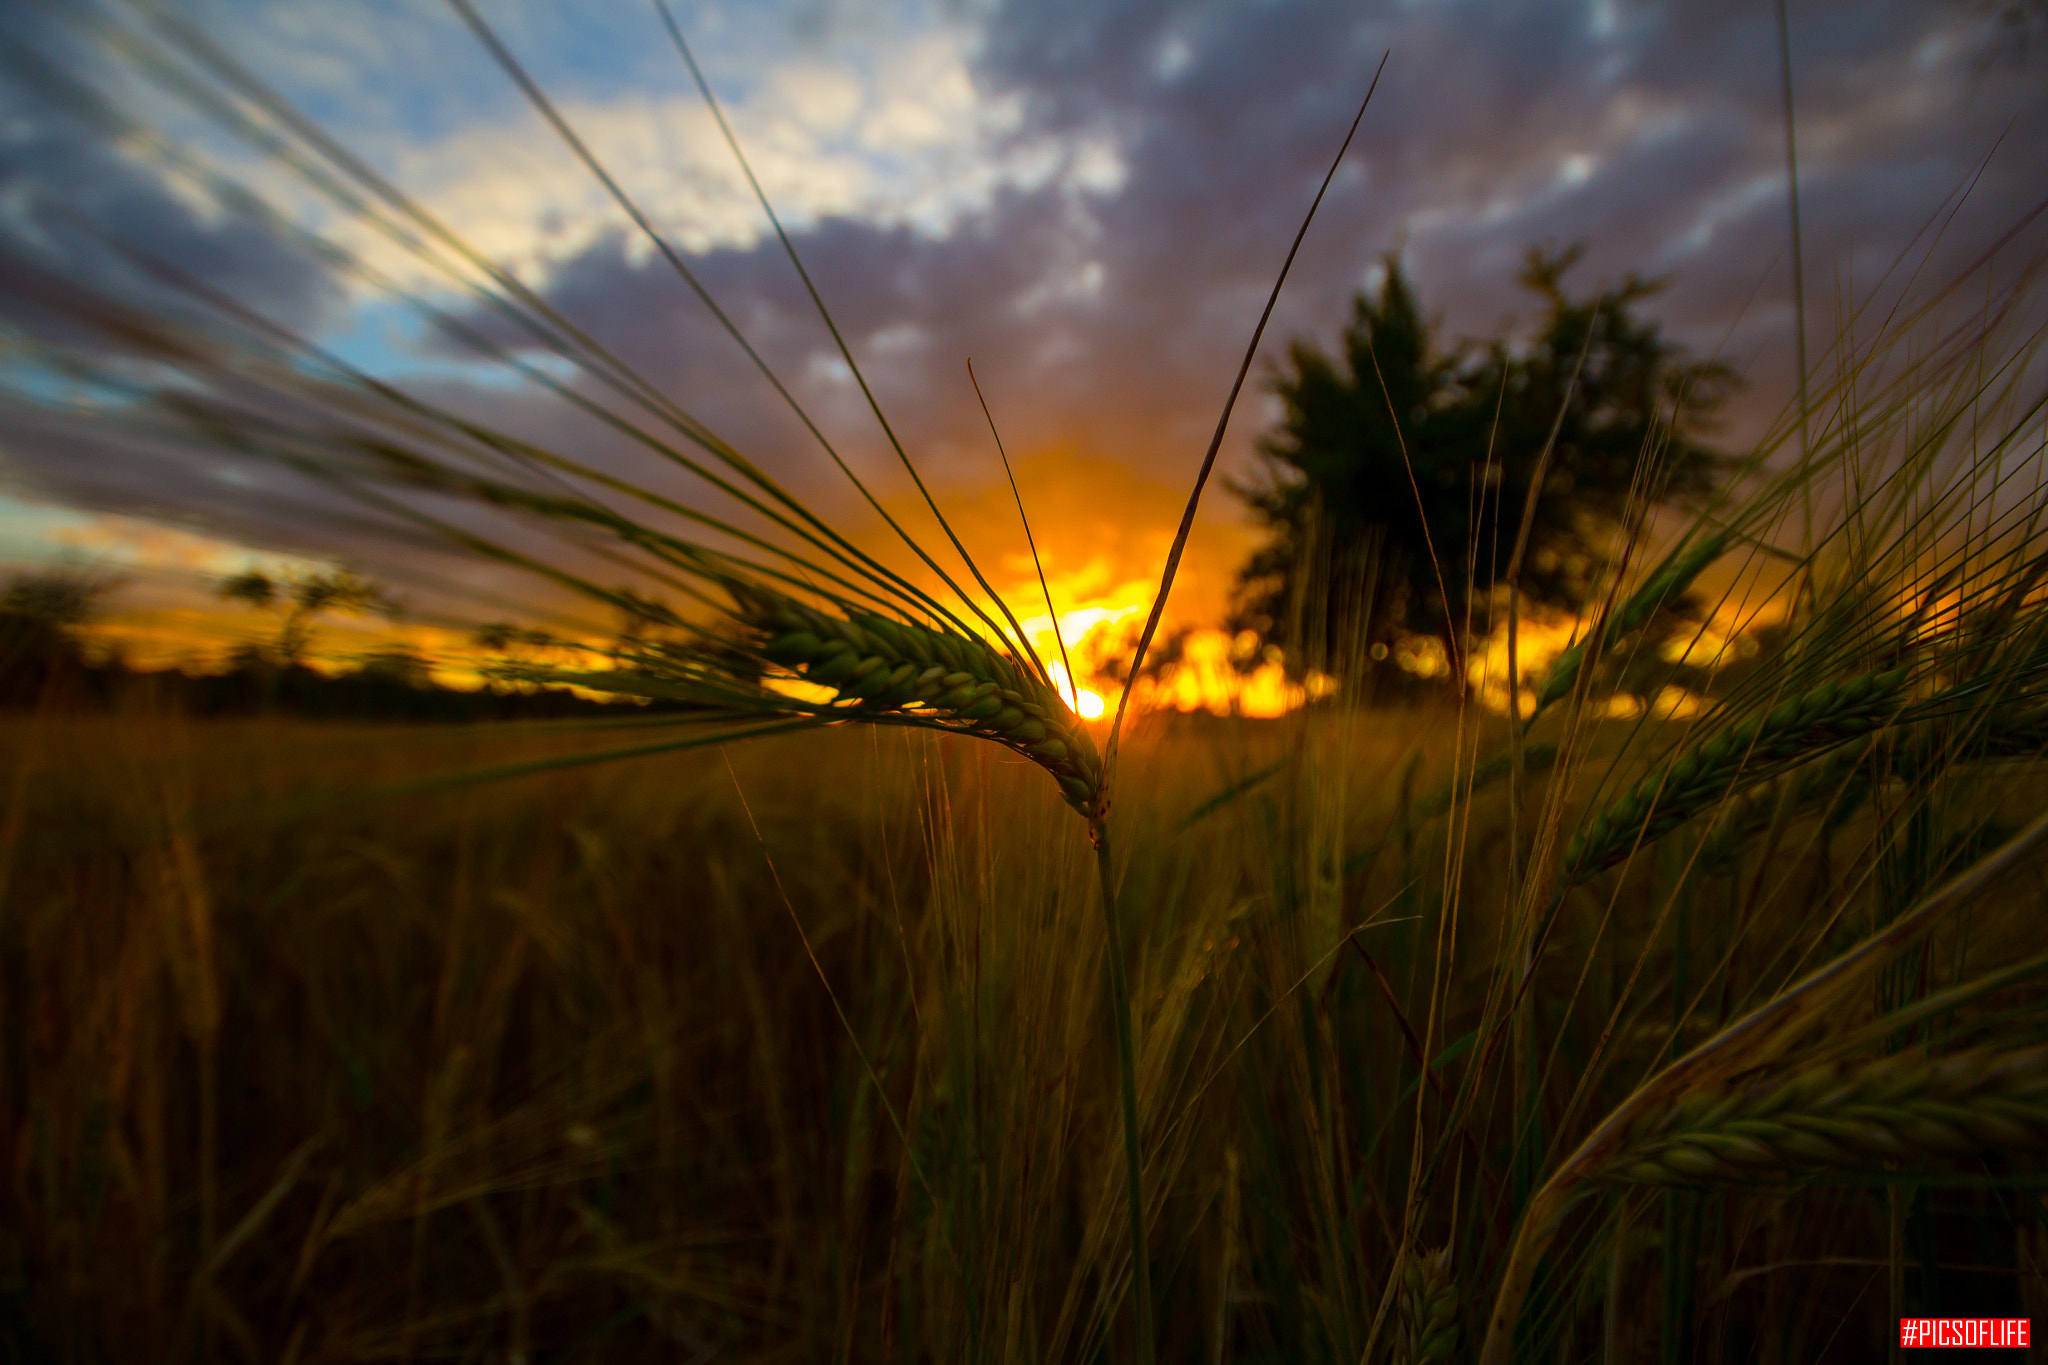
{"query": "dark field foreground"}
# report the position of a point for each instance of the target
(577, 1066)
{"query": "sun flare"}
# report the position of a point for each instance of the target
(1087, 704)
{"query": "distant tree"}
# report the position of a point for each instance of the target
(251, 586)
(396, 667)
(1383, 514)
(303, 598)
(1167, 653)
(41, 611)
(505, 637)
(58, 598)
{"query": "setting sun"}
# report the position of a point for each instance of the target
(1087, 704)
(581, 780)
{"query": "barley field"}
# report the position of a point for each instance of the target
(821, 974)
(766, 1054)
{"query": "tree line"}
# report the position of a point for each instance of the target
(47, 662)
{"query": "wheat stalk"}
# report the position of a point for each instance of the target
(1908, 1109)
(1836, 786)
(879, 670)
(1752, 1040)
(1833, 784)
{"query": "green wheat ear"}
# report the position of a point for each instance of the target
(1426, 1332)
(1824, 717)
(910, 673)
(1663, 587)
(1909, 1109)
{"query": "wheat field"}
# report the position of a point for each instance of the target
(768, 1054)
(862, 1001)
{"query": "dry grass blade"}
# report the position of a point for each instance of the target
(1187, 520)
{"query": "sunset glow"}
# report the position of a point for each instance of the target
(1090, 638)
(1144, 680)
(1086, 702)
(165, 614)
(912, 143)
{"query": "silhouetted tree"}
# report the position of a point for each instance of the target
(305, 598)
(1384, 513)
(396, 667)
(40, 613)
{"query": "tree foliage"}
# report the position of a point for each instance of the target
(41, 612)
(1393, 489)
(305, 598)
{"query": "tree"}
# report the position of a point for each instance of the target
(396, 667)
(305, 598)
(1385, 516)
(41, 612)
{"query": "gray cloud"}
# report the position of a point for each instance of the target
(1108, 321)
(1652, 132)
(77, 204)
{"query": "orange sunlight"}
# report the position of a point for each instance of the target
(1088, 638)
(1101, 532)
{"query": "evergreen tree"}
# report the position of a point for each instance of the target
(1384, 515)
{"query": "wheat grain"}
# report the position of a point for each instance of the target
(1907, 1109)
(1739, 756)
(934, 677)
(1426, 1331)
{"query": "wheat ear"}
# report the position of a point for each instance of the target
(1761, 1034)
(1666, 585)
(1821, 718)
(1426, 1330)
(1836, 785)
(1908, 1109)
(932, 677)
(1833, 785)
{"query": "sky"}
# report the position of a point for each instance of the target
(1088, 198)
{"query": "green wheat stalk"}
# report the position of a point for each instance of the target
(1757, 1039)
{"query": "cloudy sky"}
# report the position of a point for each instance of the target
(1089, 198)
